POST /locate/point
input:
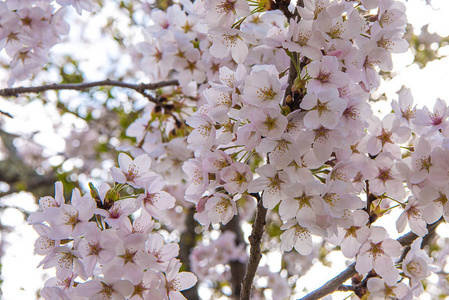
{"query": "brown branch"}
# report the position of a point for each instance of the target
(255, 252)
(335, 283)
(141, 88)
(6, 114)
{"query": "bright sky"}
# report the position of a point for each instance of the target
(22, 279)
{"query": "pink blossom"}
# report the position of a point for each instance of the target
(176, 281)
(237, 177)
(378, 253)
(272, 182)
(134, 172)
(325, 74)
(155, 201)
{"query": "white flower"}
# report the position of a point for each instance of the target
(221, 208)
(377, 253)
(416, 266)
(176, 281)
(230, 40)
(134, 172)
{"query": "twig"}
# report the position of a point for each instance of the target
(255, 251)
(141, 88)
(5, 114)
(335, 283)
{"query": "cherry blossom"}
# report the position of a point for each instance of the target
(223, 12)
(134, 172)
(325, 108)
(220, 208)
(230, 41)
(325, 75)
(377, 253)
(241, 127)
(379, 289)
(413, 214)
(155, 200)
(355, 234)
(176, 281)
(272, 182)
(416, 265)
(237, 177)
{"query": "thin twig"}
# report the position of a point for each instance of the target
(5, 114)
(141, 88)
(255, 252)
(335, 283)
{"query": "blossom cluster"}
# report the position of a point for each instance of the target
(310, 148)
(99, 251)
(326, 151)
(28, 29)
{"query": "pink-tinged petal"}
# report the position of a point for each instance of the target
(309, 101)
(330, 119)
(392, 247)
(287, 209)
(364, 263)
(155, 185)
(133, 272)
(363, 234)
(432, 213)
(375, 284)
(378, 234)
(401, 222)
(287, 240)
(169, 251)
(242, 8)
(143, 162)
(322, 150)
(124, 162)
(312, 120)
(118, 175)
(155, 242)
(106, 255)
(175, 295)
(219, 49)
(239, 52)
(53, 293)
(419, 176)
(374, 145)
(167, 201)
(124, 287)
(186, 280)
(271, 197)
(89, 288)
(395, 189)
(172, 269)
(383, 265)
(418, 226)
(59, 193)
(350, 247)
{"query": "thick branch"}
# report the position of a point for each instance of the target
(255, 252)
(334, 284)
(9, 92)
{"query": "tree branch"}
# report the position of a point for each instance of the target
(255, 252)
(141, 88)
(334, 284)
